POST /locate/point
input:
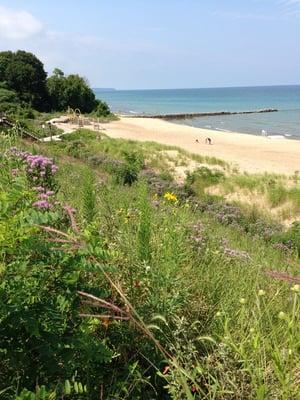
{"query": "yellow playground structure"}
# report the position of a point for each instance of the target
(75, 117)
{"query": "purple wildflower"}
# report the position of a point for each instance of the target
(42, 204)
(236, 254)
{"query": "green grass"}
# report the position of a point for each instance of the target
(276, 190)
(227, 330)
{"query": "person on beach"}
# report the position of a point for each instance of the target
(197, 141)
(208, 140)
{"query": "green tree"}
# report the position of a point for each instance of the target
(24, 73)
(79, 94)
(56, 85)
(71, 90)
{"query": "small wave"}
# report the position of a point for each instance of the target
(276, 137)
(287, 135)
(208, 126)
(222, 130)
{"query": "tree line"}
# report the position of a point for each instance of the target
(24, 82)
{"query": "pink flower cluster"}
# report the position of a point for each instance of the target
(45, 197)
(40, 169)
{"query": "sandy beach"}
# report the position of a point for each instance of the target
(254, 154)
(250, 153)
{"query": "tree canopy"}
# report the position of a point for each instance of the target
(71, 90)
(24, 80)
(24, 73)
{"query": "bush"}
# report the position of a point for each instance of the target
(291, 238)
(101, 109)
(127, 173)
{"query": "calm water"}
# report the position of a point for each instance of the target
(285, 98)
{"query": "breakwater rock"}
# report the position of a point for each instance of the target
(201, 114)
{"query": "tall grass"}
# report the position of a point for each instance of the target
(89, 201)
(144, 228)
(204, 320)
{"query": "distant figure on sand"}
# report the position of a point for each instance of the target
(197, 141)
(264, 133)
(208, 140)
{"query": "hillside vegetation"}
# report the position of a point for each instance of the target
(26, 89)
(120, 282)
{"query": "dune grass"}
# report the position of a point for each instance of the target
(204, 318)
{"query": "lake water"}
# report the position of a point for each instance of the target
(286, 99)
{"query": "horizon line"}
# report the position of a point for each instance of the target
(197, 88)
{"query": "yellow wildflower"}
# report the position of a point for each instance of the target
(170, 196)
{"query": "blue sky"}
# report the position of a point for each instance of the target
(134, 44)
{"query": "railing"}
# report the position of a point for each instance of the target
(6, 122)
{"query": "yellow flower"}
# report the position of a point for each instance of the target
(170, 196)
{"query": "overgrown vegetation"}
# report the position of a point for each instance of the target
(116, 282)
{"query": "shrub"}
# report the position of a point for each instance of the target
(76, 148)
(127, 172)
(291, 237)
(101, 109)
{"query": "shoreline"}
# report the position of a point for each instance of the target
(250, 153)
(268, 136)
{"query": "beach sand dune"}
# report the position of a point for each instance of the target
(250, 153)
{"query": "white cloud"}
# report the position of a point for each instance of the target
(289, 5)
(18, 25)
(239, 15)
(290, 2)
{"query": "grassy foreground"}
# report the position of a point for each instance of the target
(119, 283)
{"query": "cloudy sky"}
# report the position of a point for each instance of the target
(133, 44)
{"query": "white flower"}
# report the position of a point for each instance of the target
(282, 315)
(296, 289)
